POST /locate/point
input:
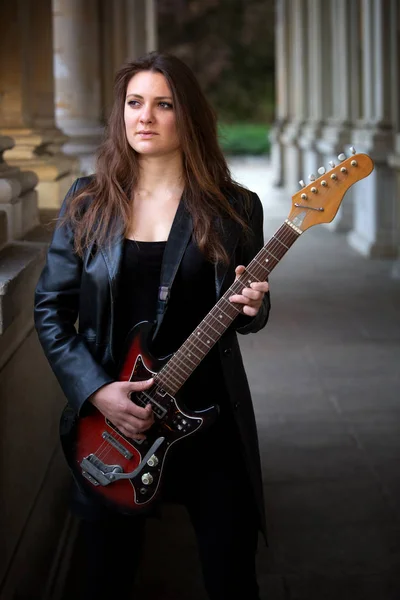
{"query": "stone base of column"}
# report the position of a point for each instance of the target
(394, 161)
(277, 154)
(82, 143)
(38, 151)
(375, 233)
(55, 174)
(292, 156)
(396, 270)
(18, 198)
(334, 138)
(312, 159)
(371, 249)
(30, 143)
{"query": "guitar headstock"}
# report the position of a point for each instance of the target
(319, 201)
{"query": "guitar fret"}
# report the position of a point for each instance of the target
(221, 309)
(167, 372)
(206, 343)
(190, 354)
(280, 241)
(213, 328)
(181, 365)
(274, 257)
(187, 356)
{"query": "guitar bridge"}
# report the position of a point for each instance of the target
(102, 474)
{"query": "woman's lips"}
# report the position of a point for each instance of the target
(145, 134)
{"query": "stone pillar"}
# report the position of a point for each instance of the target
(282, 91)
(375, 232)
(151, 26)
(394, 161)
(78, 100)
(128, 30)
(298, 73)
(27, 107)
(319, 85)
(344, 76)
(141, 20)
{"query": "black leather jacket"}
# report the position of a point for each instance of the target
(71, 288)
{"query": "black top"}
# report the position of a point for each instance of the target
(192, 297)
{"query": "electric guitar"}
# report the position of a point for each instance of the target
(126, 474)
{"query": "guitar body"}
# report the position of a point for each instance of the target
(123, 473)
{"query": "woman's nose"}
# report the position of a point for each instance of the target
(146, 115)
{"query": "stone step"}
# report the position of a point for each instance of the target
(20, 266)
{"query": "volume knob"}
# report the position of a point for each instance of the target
(147, 478)
(153, 461)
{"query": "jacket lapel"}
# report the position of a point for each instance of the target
(230, 232)
(112, 254)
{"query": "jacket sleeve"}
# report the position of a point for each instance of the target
(56, 311)
(249, 249)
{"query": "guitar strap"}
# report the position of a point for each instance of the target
(178, 240)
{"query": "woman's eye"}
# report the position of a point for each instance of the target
(165, 104)
(133, 103)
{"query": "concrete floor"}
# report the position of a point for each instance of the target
(325, 378)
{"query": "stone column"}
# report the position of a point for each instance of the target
(78, 99)
(128, 30)
(141, 21)
(344, 76)
(319, 84)
(298, 73)
(282, 91)
(27, 107)
(394, 161)
(375, 232)
(151, 26)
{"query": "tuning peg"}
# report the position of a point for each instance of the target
(332, 164)
(302, 184)
(321, 170)
(352, 150)
(311, 177)
(342, 156)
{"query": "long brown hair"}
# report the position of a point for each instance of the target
(207, 179)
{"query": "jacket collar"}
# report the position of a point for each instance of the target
(178, 240)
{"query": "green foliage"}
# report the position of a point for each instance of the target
(229, 44)
(244, 138)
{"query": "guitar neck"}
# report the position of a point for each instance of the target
(182, 364)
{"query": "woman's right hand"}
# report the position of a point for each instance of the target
(113, 401)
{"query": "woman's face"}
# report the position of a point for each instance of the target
(149, 115)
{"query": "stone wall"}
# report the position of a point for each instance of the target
(34, 477)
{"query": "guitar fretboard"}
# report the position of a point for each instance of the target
(182, 364)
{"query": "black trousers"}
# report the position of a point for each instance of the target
(220, 504)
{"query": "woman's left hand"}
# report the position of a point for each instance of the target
(251, 297)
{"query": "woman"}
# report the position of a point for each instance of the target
(161, 224)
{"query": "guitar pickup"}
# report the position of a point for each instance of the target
(158, 410)
(108, 437)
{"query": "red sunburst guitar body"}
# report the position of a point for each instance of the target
(123, 473)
